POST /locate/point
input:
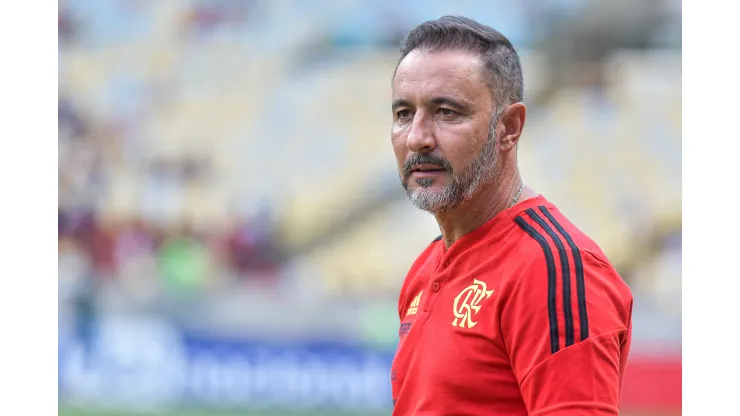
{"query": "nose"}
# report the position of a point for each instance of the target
(421, 136)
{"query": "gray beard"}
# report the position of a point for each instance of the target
(461, 187)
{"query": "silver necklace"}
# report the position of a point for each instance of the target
(518, 194)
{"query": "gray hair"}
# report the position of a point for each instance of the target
(501, 62)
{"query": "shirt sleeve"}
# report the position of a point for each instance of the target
(567, 332)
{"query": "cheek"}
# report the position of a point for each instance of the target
(399, 148)
(462, 148)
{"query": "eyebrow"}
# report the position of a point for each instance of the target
(437, 101)
(400, 103)
(450, 102)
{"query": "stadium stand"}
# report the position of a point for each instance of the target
(258, 153)
(227, 108)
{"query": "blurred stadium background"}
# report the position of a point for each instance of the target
(232, 233)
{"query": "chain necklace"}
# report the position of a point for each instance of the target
(518, 194)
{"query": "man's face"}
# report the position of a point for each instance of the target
(443, 128)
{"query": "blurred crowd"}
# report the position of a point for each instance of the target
(166, 132)
(148, 253)
(182, 256)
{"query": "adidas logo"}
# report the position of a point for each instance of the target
(414, 305)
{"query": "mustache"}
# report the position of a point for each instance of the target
(425, 159)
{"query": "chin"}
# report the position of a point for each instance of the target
(431, 200)
(429, 192)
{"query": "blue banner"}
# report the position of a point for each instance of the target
(147, 363)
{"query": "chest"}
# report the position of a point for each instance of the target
(450, 347)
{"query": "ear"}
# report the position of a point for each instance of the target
(511, 125)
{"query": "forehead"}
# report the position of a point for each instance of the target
(448, 73)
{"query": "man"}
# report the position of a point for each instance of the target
(512, 310)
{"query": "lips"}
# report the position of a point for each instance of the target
(426, 168)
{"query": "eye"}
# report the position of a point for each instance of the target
(446, 112)
(403, 113)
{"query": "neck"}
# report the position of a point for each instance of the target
(488, 202)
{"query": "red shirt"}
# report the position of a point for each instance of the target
(522, 316)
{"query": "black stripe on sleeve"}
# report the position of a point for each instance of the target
(565, 267)
(551, 281)
(580, 282)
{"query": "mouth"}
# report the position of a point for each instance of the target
(426, 169)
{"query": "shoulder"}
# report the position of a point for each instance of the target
(543, 232)
(555, 256)
(546, 224)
